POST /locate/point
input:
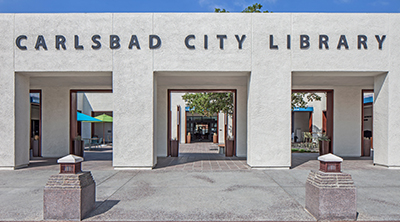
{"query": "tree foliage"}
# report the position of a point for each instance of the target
(250, 9)
(254, 8)
(209, 103)
(221, 10)
(300, 100)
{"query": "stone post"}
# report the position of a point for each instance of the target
(71, 194)
(331, 194)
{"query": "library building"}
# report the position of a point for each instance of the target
(75, 82)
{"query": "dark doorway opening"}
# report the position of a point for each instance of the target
(367, 126)
(201, 128)
(36, 123)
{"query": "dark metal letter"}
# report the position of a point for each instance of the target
(77, 46)
(342, 41)
(380, 40)
(95, 40)
(205, 41)
(271, 42)
(187, 39)
(304, 41)
(221, 40)
(240, 40)
(60, 40)
(134, 42)
(323, 40)
(151, 41)
(288, 43)
(40, 42)
(114, 42)
(18, 42)
(362, 40)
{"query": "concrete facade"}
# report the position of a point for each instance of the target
(260, 63)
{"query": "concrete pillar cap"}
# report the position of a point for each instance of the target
(70, 159)
(330, 158)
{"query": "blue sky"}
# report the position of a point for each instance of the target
(56, 6)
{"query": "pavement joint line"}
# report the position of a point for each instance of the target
(295, 178)
(289, 194)
(116, 190)
(108, 178)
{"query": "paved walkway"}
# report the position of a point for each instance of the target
(201, 157)
(201, 195)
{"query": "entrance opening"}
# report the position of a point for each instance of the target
(91, 135)
(36, 123)
(201, 128)
(367, 122)
(312, 126)
(185, 126)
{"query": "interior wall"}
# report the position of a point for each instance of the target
(86, 108)
(22, 112)
(55, 121)
(100, 101)
(347, 121)
(301, 121)
(176, 100)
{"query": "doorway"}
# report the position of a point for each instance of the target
(367, 122)
(187, 127)
(313, 123)
(36, 123)
(86, 131)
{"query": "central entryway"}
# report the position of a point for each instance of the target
(187, 125)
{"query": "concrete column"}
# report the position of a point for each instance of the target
(381, 118)
(386, 121)
(55, 121)
(133, 93)
(347, 121)
(269, 116)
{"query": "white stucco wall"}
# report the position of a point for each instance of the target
(264, 99)
(7, 89)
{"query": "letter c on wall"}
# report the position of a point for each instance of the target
(187, 39)
(18, 42)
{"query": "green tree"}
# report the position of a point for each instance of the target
(300, 100)
(250, 9)
(209, 103)
(254, 8)
(221, 10)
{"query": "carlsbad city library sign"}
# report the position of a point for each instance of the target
(155, 42)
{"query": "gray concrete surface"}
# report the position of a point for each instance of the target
(244, 195)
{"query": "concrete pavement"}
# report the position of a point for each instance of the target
(200, 195)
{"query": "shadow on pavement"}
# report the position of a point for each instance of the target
(102, 207)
